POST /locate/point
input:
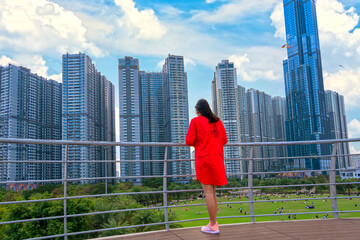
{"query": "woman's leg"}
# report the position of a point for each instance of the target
(211, 202)
(215, 198)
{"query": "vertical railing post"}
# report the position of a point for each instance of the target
(165, 200)
(106, 171)
(250, 185)
(65, 190)
(332, 176)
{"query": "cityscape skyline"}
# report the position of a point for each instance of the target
(200, 56)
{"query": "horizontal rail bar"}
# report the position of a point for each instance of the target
(163, 144)
(348, 197)
(32, 201)
(349, 211)
(302, 171)
(46, 237)
(248, 216)
(299, 185)
(84, 196)
(294, 199)
(31, 220)
(113, 211)
(114, 194)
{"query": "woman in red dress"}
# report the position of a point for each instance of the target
(207, 134)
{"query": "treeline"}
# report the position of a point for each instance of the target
(13, 212)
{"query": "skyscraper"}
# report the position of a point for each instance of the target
(176, 121)
(335, 109)
(130, 117)
(243, 126)
(305, 116)
(226, 106)
(279, 113)
(30, 107)
(152, 120)
(261, 128)
(87, 115)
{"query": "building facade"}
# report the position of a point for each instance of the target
(130, 117)
(88, 114)
(335, 109)
(152, 120)
(176, 115)
(305, 98)
(30, 107)
(226, 105)
(261, 128)
(279, 114)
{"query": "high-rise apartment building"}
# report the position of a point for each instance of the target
(176, 121)
(244, 135)
(152, 120)
(225, 96)
(88, 114)
(335, 109)
(279, 114)
(153, 108)
(130, 117)
(305, 116)
(261, 128)
(30, 107)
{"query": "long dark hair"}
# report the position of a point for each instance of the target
(202, 106)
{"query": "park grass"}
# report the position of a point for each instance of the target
(289, 207)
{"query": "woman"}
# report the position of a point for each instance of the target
(207, 134)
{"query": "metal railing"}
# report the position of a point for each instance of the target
(165, 207)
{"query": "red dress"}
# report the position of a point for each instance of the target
(209, 140)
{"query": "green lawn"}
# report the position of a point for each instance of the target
(263, 208)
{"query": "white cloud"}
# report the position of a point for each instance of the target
(188, 62)
(210, 1)
(336, 25)
(140, 24)
(41, 26)
(354, 128)
(171, 11)
(347, 83)
(4, 61)
(353, 149)
(277, 20)
(35, 63)
(160, 65)
(336, 22)
(234, 10)
(255, 65)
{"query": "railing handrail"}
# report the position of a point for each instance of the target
(165, 144)
(332, 182)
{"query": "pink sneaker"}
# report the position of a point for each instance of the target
(211, 229)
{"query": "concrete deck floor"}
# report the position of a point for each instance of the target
(305, 229)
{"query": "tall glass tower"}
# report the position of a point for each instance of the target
(306, 117)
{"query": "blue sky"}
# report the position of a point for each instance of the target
(250, 33)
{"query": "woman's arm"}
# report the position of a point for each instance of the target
(191, 134)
